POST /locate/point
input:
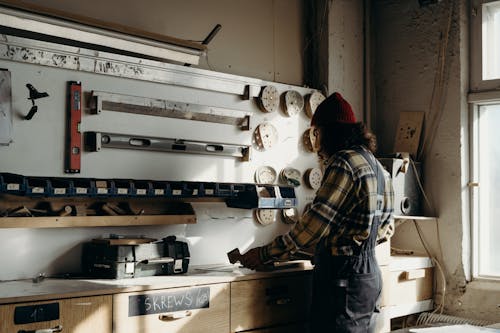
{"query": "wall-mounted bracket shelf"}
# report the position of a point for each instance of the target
(40, 202)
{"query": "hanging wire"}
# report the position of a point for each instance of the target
(437, 100)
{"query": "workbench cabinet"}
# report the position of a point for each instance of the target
(75, 315)
(276, 302)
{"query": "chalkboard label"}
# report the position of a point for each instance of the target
(189, 299)
(36, 313)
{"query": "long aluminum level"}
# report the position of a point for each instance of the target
(95, 141)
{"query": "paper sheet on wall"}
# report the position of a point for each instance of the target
(455, 329)
(5, 108)
(408, 132)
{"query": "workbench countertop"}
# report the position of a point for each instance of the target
(18, 291)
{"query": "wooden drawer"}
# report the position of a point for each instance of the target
(269, 302)
(76, 315)
(195, 309)
(406, 286)
(383, 253)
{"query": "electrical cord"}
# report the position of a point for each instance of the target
(436, 262)
(438, 265)
(437, 100)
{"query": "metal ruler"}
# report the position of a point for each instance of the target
(101, 100)
(95, 141)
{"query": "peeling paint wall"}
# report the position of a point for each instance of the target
(410, 76)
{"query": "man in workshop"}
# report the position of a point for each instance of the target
(351, 214)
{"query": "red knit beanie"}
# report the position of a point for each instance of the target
(334, 109)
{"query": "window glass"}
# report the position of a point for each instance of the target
(488, 215)
(491, 40)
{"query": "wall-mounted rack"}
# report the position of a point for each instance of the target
(101, 100)
(84, 192)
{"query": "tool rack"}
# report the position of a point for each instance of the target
(172, 196)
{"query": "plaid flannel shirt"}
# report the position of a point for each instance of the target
(342, 211)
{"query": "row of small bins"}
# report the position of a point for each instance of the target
(88, 187)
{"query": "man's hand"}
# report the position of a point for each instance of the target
(251, 259)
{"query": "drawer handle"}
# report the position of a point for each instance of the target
(413, 274)
(175, 315)
(162, 260)
(56, 329)
(282, 301)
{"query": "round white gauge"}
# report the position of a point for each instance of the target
(265, 216)
(266, 136)
(313, 100)
(309, 139)
(290, 176)
(265, 175)
(313, 177)
(294, 103)
(269, 99)
(290, 215)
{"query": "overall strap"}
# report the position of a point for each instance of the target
(379, 172)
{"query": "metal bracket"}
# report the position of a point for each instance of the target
(101, 100)
(95, 141)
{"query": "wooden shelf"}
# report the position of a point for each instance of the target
(417, 218)
(94, 221)
(401, 219)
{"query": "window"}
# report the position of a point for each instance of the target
(487, 195)
(491, 40)
(485, 134)
(485, 43)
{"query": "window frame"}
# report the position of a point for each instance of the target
(477, 84)
(476, 100)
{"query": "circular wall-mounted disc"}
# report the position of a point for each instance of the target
(265, 175)
(269, 99)
(290, 215)
(290, 176)
(266, 136)
(265, 216)
(312, 102)
(294, 102)
(313, 177)
(309, 139)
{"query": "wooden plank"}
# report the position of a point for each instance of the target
(94, 221)
(123, 241)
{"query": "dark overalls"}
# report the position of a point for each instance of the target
(346, 289)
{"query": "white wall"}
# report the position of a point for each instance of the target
(38, 150)
(408, 41)
(259, 38)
